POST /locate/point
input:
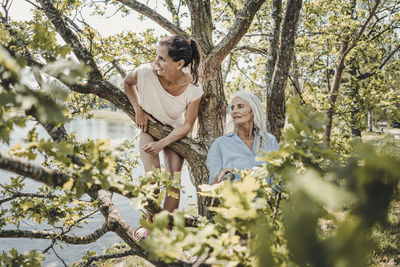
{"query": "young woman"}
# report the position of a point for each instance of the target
(164, 90)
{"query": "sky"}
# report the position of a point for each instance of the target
(107, 25)
(21, 10)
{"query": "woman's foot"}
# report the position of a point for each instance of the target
(139, 234)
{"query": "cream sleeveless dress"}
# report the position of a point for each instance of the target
(156, 101)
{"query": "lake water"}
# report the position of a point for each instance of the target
(93, 128)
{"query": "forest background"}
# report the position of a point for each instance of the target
(327, 71)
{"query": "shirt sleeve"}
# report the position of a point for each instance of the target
(272, 144)
(214, 161)
(197, 93)
(142, 70)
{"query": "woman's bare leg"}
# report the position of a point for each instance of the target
(149, 160)
(173, 163)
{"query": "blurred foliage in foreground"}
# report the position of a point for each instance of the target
(327, 206)
(323, 215)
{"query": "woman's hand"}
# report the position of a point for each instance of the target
(221, 173)
(142, 119)
(153, 147)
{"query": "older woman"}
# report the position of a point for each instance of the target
(238, 148)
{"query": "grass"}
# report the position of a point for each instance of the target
(387, 239)
(110, 115)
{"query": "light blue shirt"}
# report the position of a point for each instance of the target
(229, 151)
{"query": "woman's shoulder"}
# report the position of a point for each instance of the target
(221, 142)
(224, 138)
(272, 143)
(194, 91)
(145, 68)
(270, 136)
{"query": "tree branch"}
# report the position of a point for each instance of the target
(369, 74)
(20, 43)
(174, 12)
(227, 68)
(372, 13)
(15, 195)
(57, 19)
(118, 68)
(251, 49)
(201, 22)
(58, 236)
(297, 90)
(273, 44)
(108, 257)
(239, 28)
(32, 170)
(153, 15)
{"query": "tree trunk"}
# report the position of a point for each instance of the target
(213, 104)
(273, 45)
(276, 107)
(333, 95)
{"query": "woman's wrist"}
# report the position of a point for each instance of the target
(138, 109)
(163, 142)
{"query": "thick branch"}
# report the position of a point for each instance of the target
(124, 230)
(240, 26)
(153, 15)
(121, 72)
(69, 37)
(201, 21)
(34, 171)
(58, 236)
(273, 44)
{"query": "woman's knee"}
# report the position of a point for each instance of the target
(173, 161)
(145, 138)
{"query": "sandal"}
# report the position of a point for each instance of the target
(139, 234)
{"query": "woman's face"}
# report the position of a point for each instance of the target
(241, 111)
(164, 65)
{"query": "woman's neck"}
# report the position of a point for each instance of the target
(245, 131)
(173, 79)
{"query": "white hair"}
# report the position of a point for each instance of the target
(259, 122)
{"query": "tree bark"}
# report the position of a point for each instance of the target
(276, 107)
(273, 45)
(335, 90)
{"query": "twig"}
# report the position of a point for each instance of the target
(14, 195)
(79, 220)
(279, 197)
(201, 259)
(59, 257)
(49, 247)
(297, 90)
